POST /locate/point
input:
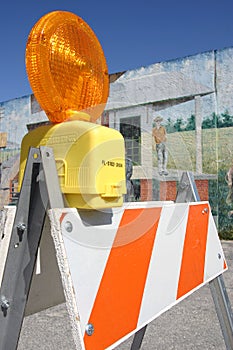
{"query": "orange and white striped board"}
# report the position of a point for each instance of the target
(129, 265)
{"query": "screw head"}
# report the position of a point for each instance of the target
(21, 226)
(5, 304)
(89, 329)
(68, 226)
(205, 211)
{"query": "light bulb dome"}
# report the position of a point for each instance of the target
(66, 68)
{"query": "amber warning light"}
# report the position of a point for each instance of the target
(68, 74)
(66, 67)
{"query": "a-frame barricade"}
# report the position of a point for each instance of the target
(103, 263)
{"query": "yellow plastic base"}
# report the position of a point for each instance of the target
(90, 161)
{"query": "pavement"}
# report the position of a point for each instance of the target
(191, 324)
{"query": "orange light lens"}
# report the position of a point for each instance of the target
(66, 67)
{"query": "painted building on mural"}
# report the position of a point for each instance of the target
(193, 96)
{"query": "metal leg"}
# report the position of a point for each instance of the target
(51, 184)
(187, 192)
(138, 338)
(24, 243)
(21, 257)
(223, 309)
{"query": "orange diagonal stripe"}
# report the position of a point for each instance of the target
(117, 304)
(193, 259)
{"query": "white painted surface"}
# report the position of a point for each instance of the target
(164, 271)
(6, 226)
(87, 261)
(214, 252)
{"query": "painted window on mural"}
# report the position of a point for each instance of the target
(131, 131)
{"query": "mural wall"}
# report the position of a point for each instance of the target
(193, 98)
(15, 115)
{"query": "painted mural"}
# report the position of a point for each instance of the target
(15, 116)
(190, 100)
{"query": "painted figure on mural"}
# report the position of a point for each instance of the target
(160, 137)
(229, 199)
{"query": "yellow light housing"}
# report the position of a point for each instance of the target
(68, 74)
(66, 68)
(90, 161)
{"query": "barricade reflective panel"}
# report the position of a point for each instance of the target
(128, 265)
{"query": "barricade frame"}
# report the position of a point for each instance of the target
(40, 192)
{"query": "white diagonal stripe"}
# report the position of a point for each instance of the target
(164, 270)
(87, 261)
(214, 258)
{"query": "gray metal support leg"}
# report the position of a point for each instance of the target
(223, 309)
(21, 257)
(138, 338)
(24, 243)
(187, 192)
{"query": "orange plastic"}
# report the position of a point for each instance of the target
(66, 68)
(123, 280)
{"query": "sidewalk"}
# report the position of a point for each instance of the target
(190, 325)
